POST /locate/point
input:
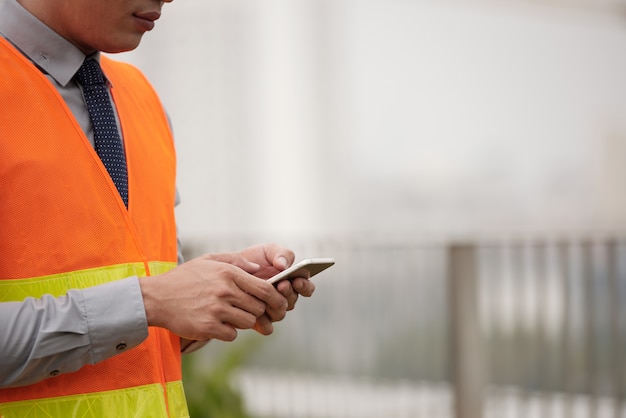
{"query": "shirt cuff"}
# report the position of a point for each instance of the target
(116, 317)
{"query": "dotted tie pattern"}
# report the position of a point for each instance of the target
(107, 140)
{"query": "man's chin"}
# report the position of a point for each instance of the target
(125, 46)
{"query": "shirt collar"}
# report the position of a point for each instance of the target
(55, 55)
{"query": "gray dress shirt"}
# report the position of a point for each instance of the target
(48, 336)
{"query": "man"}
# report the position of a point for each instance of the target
(94, 310)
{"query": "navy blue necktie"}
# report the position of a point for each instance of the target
(107, 139)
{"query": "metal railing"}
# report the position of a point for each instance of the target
(507, 328)
(552, 319)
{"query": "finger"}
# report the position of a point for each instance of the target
(250, 304)
(286, 289)
(272, 254)
(230, 293)
(271, 257)
(262, 290)
(238, 318)
(235, 259)
(224, 332)
(264, 325)
(276, 315)
(281, 257)
(304, 287)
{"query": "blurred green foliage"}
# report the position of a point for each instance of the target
(209, 388)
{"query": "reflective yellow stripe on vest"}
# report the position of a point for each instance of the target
(146, 401)
(58, 284)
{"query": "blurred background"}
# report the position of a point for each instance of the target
(463, 161)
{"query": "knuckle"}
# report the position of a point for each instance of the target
(207, 331)
(226, 270)
(250, 321)
(204, 335)
(259, 309)
(279, 315)
(219, 310)
(223, 291)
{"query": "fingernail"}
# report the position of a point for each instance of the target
(282, 261)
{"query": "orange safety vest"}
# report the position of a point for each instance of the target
(64, 226)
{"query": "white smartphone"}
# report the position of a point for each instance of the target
(305, 268)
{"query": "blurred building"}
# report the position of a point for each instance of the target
(332, 117)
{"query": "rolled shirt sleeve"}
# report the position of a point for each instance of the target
(44, 337)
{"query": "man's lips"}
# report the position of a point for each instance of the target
(146, 19)
(151, 16)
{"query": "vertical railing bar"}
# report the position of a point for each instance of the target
(466, 342)
(615, 340)
(420, 271)
(621, 324)
(533, 326)
(564, 268)
(541, 350)
(432, 363)
(506, 331)
(590, 352)
(499, 337)
(512, 355)
(521, 337)
(491, 284)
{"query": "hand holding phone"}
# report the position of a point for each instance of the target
(305, 268)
